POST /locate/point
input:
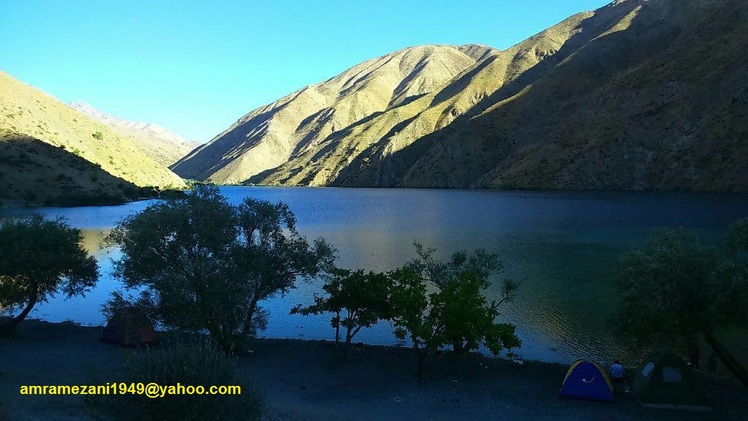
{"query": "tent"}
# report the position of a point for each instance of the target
(666, 381)
(129, 329)
(587, 380)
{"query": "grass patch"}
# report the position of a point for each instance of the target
(188, 363)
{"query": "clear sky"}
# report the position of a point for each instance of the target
(195, 67)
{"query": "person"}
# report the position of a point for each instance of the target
(616, 372)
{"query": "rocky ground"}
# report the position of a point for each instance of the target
(302, 380)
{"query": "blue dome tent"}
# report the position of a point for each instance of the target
(587, 380)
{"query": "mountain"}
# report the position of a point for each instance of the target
(271, 135)
(50, 153)
(657, 101)
(164, 146)
(639, 94)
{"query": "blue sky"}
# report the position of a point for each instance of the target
(195, 67)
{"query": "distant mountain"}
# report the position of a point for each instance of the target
(639, 94)
(50, 153)
(164, 146)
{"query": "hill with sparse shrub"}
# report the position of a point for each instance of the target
(50, 153)
(637, 95)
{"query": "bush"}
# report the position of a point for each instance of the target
(189, 364)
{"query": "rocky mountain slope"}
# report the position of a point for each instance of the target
(271, 135)
(39, 134)
(657, 101)
(635, 95)
(164, 146)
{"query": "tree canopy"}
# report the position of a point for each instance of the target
(673, 291)
(38, 258)
(458, 313)
(206, 264)
(357, 299)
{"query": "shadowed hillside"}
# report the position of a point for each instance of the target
(301, 122)
(36, 173)
(635, 95)
(27, 113)
(350, 152)
(659, 101)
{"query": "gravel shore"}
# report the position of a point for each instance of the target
(303, 380)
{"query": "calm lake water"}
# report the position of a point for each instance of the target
(562, 247)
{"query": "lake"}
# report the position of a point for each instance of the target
(561, 246)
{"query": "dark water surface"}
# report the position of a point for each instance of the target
(562, 247)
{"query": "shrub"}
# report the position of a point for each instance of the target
(98, 135)
(194, 363)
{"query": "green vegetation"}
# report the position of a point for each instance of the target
(362, 298)
(457, 314)
(187, 364)
(87, 199)
(29, 116)
(460, 315)
(674, 291)
(39, 258)
(204, 264)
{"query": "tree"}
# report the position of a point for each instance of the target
(38, 258)
(461, 316)
(465, 320)
(361, 297)
(457, 313)
(673, 291)
(206, 264)
(410, 314)
(270, 253)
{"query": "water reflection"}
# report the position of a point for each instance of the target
(562, 247)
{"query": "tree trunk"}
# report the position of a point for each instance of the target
(727, 359)
(337, 330)
(250, 313)
(10, 327)
(337, 336)
(348, 338)
(420, 365)
(460, 347)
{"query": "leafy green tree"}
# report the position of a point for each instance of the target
(270, 253)
(464, 319)
(206, 264)
(357, 299)
(673, 291)
(460, 314)
(456, 313)
(38, 258)
(410, 306)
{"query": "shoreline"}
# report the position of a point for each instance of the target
(302, 380)
(395, 344)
